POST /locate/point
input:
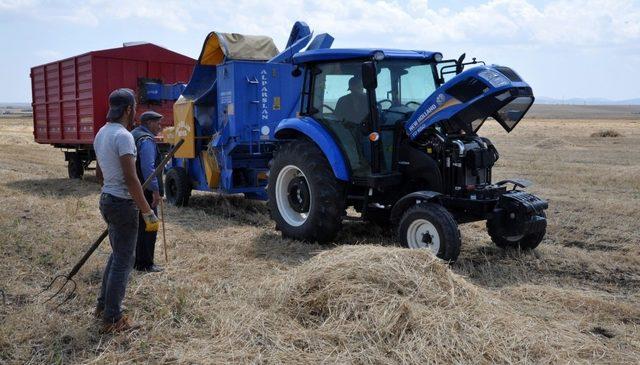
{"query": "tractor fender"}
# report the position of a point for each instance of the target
(293, 128)
(410, 199)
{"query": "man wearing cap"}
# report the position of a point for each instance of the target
(121, 200)
(351, 110)
(148, 158)
(353, 106)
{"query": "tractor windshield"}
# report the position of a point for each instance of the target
(403, 85)
(340, 103)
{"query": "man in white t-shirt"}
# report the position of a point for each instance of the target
(121, 198)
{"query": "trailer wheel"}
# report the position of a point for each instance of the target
(75, 166)
(305, 199)
(430, 226)
(177, 187)
(524, 242)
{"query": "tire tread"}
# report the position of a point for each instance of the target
(322, 226)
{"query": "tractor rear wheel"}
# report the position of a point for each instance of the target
(524, 242)
(177, 187)
(305, 199)
(430, 226)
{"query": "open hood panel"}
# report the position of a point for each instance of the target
(465, 101)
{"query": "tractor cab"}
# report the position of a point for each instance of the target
(370, 100)
(363, 97)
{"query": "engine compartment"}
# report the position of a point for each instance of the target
(464, 161)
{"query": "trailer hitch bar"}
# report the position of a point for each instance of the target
(68, 278)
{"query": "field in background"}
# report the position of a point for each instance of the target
(585, 112)
(235, 291)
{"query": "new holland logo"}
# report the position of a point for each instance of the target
(440, 99)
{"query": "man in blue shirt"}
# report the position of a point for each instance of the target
(148, 158)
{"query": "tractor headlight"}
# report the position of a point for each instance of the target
(495, 78)
(378, 55)
(437, 57)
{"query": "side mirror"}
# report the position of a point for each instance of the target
(369, 75)
(459, 64)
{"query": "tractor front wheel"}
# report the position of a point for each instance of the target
(305, 199)
(177, 187)
(430, 226)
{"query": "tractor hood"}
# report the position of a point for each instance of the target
(464, 102)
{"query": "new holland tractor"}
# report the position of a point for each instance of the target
(390, 133)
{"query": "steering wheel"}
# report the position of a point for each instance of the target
(379, 103)
(412, 102)
(328, 107)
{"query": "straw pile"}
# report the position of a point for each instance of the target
(380, 305)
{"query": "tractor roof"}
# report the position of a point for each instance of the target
(334, 54)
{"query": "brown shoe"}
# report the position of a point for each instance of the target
(122, 325)
(99, 311)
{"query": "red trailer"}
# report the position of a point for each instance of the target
(70, 96)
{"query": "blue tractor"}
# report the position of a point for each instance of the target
(390, 133)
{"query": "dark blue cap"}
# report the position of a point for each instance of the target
(150, 115)
(119, 100)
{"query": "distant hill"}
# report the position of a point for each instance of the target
(586, 101)
(10, 110)
(16, 105)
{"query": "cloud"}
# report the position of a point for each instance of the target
(172, 15)
(83, 15)
(15, 4)
(555, 43)
(561, 23)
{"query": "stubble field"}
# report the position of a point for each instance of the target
(234, 291)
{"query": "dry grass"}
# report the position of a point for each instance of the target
(234, 291)
(606, 133)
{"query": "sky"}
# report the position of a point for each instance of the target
(563, 48)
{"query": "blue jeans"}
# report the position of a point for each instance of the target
(121, 216)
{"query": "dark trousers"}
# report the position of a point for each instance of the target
(121, 216)
(146, 244)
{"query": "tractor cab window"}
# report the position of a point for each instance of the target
(340, 104)
(403, 85)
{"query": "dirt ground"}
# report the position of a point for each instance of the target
(234, 291)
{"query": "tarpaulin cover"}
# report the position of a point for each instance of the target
(233, 46)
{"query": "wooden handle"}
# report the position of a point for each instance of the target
(164, 235)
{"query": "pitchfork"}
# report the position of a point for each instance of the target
(68, 278)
